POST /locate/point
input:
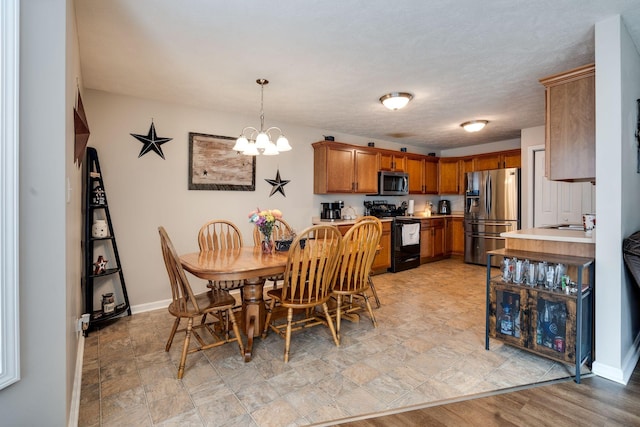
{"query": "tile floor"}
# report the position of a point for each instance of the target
(429, 346)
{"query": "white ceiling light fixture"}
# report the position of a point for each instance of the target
(253, 142)
(396, 100)
(474, 125)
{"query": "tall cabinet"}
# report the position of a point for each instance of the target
(105, 292)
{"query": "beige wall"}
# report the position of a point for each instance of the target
(144, 193)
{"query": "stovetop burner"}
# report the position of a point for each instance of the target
(382, 209)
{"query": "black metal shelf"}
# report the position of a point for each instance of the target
(107, 272)
(94, 191)
(99, 316)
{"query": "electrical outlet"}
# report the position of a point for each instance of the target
(83, 322)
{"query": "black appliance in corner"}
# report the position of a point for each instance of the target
(405, 234)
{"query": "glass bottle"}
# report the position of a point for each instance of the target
(506, 320)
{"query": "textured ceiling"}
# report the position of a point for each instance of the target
(329, 62)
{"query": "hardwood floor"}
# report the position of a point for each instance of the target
(594, 402)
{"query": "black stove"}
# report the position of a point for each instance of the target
(382, 209)
(405, 233)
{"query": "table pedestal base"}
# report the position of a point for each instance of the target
(254, 313)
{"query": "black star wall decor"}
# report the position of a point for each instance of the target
(278, 184)
(151, 142)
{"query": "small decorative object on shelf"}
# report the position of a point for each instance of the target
(108, 303)
(98, 196)
(101, 265)
(265, 221)
(99, 228)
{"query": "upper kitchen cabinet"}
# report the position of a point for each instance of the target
(392, 162)
(449, 175)
(423, 174)
(570, 125)
(497, 160)
(340, 168)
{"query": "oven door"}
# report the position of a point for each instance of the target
(406, 244)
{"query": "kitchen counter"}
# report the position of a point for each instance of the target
(552, 241)
(317, 221)
(552, 234)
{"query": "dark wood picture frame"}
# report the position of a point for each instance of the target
(213, 165)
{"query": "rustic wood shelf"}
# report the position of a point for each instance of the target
(524, 320)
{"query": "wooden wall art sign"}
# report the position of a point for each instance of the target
(81, 130)
(213, 165)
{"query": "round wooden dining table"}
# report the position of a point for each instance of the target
(248, 264)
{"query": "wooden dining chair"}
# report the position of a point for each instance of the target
(307, 283)
(221, 234)
(186, 305)
(371, 284)
(359, 248)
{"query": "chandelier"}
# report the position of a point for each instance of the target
(253, 142)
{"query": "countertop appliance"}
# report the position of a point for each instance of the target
(331, 211)
(492, 206)
(393, 183)
(444, 207)
(405, 234)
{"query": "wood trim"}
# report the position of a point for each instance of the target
(551, 247)
(567, 76)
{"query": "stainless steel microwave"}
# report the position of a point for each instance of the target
(393, 183)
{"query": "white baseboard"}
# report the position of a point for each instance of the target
(74, 409)
(150, 306)
(623, 374)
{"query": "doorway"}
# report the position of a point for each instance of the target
(558, 202)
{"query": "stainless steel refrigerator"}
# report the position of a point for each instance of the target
(492, 206)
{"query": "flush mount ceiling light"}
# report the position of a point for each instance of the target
(253, 142)
(396, 100)
(474, 125)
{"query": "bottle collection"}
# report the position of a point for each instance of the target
(550, 276)
(551, 325)
(509, 317)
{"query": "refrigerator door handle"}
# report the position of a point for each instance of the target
(509, 224)
(486, 236)
(489, 194)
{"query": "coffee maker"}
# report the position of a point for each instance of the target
(444, 207)
(331, 211)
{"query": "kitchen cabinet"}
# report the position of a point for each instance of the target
(392, 162)
(449, 175)
(340, 168)
(382, 261)
(551, 323)
(498, 160)
(454, 239)
(432, 239)
(452, 170)
(570, 124)
(423, 174)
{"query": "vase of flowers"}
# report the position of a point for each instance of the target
(265, 220)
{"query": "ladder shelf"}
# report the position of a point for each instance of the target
(100, 249)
